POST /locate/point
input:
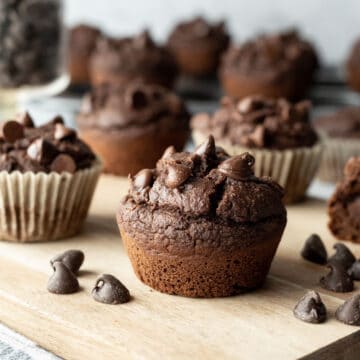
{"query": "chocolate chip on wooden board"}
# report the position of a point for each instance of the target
(72, 259)
(343, 256)
(349, 311)
(337, 279)
(310, 308)
(109, 290)
(63, 281)
(314, 250)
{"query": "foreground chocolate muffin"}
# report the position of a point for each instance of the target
(353, 67)
(47, 179)
(277, 133)
(341, 131)
(198, 45)
(82, 43)
(130, 127)
(276, 65)
(202, 224)
(124, 60)
(344, 205)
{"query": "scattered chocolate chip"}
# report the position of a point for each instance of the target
(168, 152)
(310, 308)
(337, 279)
(42, 151)
(177, 174)
(72, 259)
(238, 167)
(63, 163)
(314, 250)
(354, 270)
(109, 290)
(58, 119)
(12, 131)
(136, 99)
(343, 255)
(143, 179)
(349, 311)
(63, 281)
(25, 119)
(62, 132)
(207, 148)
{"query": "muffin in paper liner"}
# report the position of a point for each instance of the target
(45, 206)
(337, 152)
(293, 169)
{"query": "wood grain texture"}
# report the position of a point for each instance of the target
(153, 325)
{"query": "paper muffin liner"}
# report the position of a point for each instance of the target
(336, 154)
(43, 207)
(293, 169)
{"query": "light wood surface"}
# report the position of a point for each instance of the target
(156, 326)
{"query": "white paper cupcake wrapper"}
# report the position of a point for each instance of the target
(293, 169)
(44, 207)
(336, 153)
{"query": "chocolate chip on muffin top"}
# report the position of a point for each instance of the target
(50, 147)
(259, 122)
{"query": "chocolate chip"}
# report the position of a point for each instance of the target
(238, 167)
(136, 99)
(143, 40)
(63, 281)
(343, 255)
(109, 290)
(314, 250)
(63, 163)
(42, 151)
(169, 152)
(310, 308)
(177, 174)
(354, 270)
(349, 311)
(207, 148)
(337, 279)
(257, 137)
(62, 132)
(246, 105)
(58, 119)
(25, 119)
(12, 131)
(143, 179)
(72, 259)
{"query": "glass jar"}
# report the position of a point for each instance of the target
(32, 50)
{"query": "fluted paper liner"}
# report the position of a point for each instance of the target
(293, 169)
(44, 207)
(336, 153)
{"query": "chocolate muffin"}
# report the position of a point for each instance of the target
(130, 127)
(277, 65)
(341, 132)
(276, 132)
(82, 43)
(47, 179)
(198, 45)
(202, 224)
(344, 205)
(353, 67)
(124, 60)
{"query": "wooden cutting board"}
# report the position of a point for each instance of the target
(156, 326)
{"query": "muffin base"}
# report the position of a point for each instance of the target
(79, 71)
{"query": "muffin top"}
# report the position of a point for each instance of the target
(199, 32)
(83, 39)
(344, 123)
(206, 183)
(354, 57)
(135, 106)
(137, 56)
(271, 56)
(46, 148)
(259, 122)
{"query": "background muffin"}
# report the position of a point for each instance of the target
(201, 224)
(82, 43)
(342, 141)
(124, 60)
(276, 132)
(47, 179)
(197, 46)
(130, 127)
(279, 65)
(353, 67)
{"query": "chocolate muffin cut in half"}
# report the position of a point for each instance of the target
(201, 224)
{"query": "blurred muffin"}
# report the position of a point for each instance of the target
(130, 126)
(197, 46)
(279, 65)
(47, 179)
(342, 140)
(82, 43)
(201, 224)
(123, 60)
(276, 132)
(353, 67)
